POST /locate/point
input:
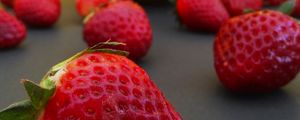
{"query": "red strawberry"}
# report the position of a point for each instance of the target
(236, 7)
(257, 52)
(84, 7)
(38, 13)
(275, 2)
(8, 3)
(122, 21)
(12, 31)
(96, 86)
(205, 15)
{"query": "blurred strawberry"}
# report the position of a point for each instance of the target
(123, 21)
(8, 3)
(84, 7)
(38, 13)
(204, 15)
(236, 7)
(12, 31)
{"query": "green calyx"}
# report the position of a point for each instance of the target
(248, 10)
(102, 47)
(39, 95)
(19, 111)
(28, 109)
(288, 7)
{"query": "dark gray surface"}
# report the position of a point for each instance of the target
(180, 63)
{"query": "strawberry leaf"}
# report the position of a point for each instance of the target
(62, 64)
(88, 17)
(287, 7)
(100, 47)
(47, 83)
(248, 10)
(112, 51)
(107, 43)
(19, 111)
(39, 96)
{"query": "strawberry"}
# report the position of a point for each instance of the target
(8, 3)
(94, 85)
(84, 7)
(204, 15)
(257, 52)
(122, 21)
(236, 7)
(38, 13)
(12, 31)
(275, 2)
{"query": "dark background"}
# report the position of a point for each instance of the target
(180, 63)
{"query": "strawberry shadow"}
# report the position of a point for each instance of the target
(183, 29)
(277, 105)
(12, 49)
(153, 3)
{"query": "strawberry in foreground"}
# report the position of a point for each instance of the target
(84, 7)
(203, 15)
(123, 21)
(8, 3)
(257, 52)
(12, 31)
(38, 13)
(96, 84)
(236, 7)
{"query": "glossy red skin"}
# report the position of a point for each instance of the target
(12, 31)
(8, 3)
(102, 86)
(275, 2)
(202, 15)
(257, 52)
(38, 13)
(85, 7)
(124, 22)
(236, 7)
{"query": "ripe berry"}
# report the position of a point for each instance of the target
(257, 52)
(203, 15)
(12, 31)
(38, 13)
(124, 22)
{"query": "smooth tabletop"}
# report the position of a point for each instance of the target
(180, 62)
